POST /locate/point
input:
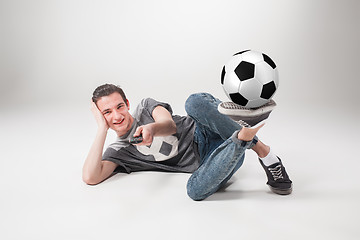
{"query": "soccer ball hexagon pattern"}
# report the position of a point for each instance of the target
(250, 78)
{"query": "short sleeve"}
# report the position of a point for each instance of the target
(150, 104)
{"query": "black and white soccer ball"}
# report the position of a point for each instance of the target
(250, 78)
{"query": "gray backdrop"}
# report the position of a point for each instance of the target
(54, 53)
(59, 51)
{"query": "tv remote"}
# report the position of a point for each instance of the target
(136, 140)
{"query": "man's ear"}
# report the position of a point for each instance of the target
(127, 104)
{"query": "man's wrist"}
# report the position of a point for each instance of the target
(103, 129)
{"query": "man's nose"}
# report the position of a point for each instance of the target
(117, 115)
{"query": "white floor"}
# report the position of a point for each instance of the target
(43, 196)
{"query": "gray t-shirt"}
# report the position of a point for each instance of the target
(175, 153)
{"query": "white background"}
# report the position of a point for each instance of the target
(54, 53)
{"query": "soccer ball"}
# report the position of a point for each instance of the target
(250, 78)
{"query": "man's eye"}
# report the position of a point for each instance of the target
(106, 112)
(119, 107)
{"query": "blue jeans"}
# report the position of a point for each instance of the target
(221, 152)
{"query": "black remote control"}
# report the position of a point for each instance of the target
(136, 140)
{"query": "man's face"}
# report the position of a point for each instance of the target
(116, 113)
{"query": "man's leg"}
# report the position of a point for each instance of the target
(222, 163)
(278, 180)
(203, 108)
(221, 159)
(261, 149)
(221, 150)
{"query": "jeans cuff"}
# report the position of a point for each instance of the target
(246, 144)
(253, 142)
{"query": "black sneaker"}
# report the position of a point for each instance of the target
(247, 117)
(278, 180)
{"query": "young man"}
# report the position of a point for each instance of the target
(206, 143)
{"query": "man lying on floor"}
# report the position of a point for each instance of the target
(207, 143)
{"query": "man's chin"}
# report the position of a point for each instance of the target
(119, 130)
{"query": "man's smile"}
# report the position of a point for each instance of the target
(119, 122)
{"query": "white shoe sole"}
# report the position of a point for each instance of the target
(235, 110)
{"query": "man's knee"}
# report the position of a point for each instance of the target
(192, 102)
(197, 102)
(196, 190)
(194, 194)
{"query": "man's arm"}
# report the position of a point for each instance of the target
(164, 125)
(95, 170)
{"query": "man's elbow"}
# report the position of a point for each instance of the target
(89, 180)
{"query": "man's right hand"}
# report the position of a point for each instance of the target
(99, 117)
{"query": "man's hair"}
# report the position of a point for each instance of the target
(106, 90)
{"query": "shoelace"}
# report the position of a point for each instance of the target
(243, 123)
(276, 172)
(231, 105)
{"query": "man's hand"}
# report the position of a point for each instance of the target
(147, 133)
(164, 125)
(99, 117)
